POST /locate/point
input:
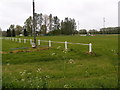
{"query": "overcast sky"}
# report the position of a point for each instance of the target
(89, 13)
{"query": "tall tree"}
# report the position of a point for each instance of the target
(45, 23)
(8, 33)
(13, 33)
(36, 21)
(40, 21)
(56, 21)
(28, 25)
(25, 32)
(50, 22)
(68, 26)
(18, 29)
(12, 28)
(43, 29)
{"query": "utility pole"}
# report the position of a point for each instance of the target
(34, 23)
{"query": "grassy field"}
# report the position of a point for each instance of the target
(57, 68)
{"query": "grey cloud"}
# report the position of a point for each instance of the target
(89, 13)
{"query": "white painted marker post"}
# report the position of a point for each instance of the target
(12, 39)
(49, 43)
(16, 39)
(38, 42)
(30, 41)
(24, 40)
(66, 47)
(90, 47)
(19, 40)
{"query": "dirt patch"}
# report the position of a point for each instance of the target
(3, 52)
(29, 50)
(91, 53)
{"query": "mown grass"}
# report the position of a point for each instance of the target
(57, 68)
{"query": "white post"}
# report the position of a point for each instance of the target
(38, 42)
(16, 39)
(19, 40)
(66, 47)
(30, 41)
(24, 40)
(12, 39)
(90, 47)
(49, 43)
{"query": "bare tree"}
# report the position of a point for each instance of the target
(45, 22)
(40, 21)
(50, 22)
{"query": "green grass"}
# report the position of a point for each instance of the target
(56, 68)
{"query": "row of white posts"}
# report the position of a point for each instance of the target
(49, 42)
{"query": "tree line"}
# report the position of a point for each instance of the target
(44, 25)
(108, 30)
